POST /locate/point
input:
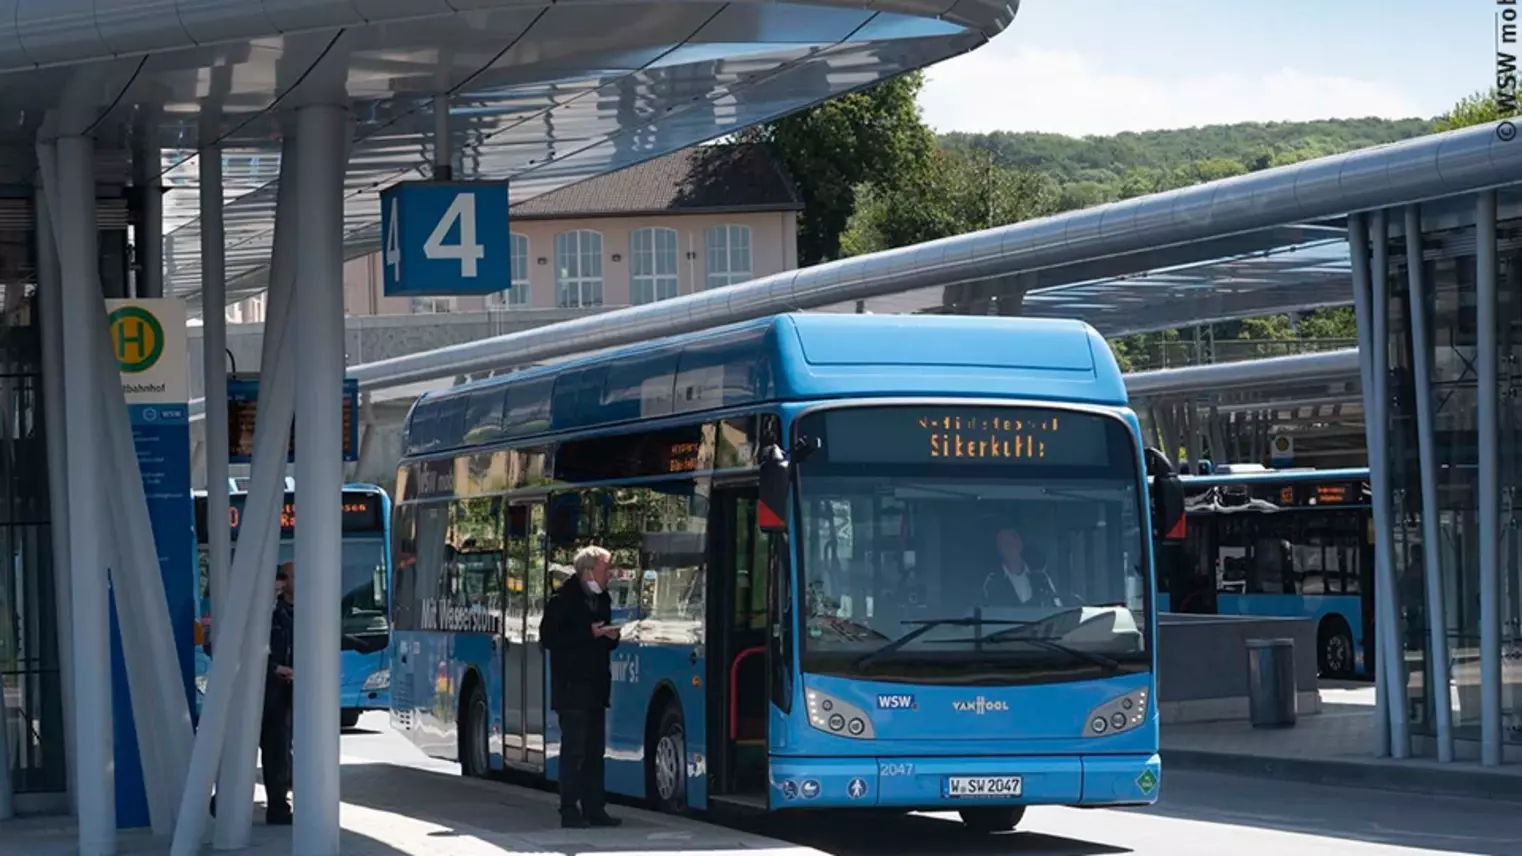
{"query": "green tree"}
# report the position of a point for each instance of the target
(1337, 322)
(1477, 109)
(833, 148)
(960, 192)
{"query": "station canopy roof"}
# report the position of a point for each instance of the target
(1290, 268)
(542, 94)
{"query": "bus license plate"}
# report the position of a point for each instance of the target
(983, 786)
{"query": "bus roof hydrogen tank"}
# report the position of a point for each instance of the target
(890, 562)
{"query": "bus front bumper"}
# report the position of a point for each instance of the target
(944, 784)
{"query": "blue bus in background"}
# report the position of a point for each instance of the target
(366, 572)
(805, 514)
(1289, 543)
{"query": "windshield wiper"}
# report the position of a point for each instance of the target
(925, 626)
(1100, 660)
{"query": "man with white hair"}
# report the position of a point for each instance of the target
(578, 633)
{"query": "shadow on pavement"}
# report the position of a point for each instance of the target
(894, 834)
(58, 836)
(1442, 824)
(437, 806)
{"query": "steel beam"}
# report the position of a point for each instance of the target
(1488, 382)
(1358, 244)
(1421, 365)
(1387, 618)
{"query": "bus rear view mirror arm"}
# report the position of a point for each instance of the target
(776, 483)
(1167, 497)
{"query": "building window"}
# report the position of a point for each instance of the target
(728, 255)
(578, 269)
(517, 296)
(432, 305)
(250, 311)
(652, 265)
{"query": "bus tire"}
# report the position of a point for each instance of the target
(666, 761)
(993, 818)
(475, 760)
(349, 717)
(1334, 649)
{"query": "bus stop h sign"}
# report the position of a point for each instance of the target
(441, 238)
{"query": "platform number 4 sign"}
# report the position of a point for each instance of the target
(446, 238)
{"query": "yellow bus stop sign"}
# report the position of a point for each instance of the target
(137, 338)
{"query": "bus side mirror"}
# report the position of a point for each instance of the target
(771, 516)
(1167, 498)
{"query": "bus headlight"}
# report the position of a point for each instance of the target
(1117, 715)
(842, 719)
(380, 680)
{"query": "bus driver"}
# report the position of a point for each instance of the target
(1021, 579)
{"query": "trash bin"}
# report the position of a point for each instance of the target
(1271, 682)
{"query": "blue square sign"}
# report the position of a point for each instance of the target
(445, 238)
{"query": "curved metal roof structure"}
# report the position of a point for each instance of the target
(543, 93)
(1104, 240)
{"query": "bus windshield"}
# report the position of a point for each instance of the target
(976, 545)
(364, 585)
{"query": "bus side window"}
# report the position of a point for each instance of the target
(404, 565)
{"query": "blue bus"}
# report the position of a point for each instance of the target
(366, 658)
(1288, 543)
(810, 518)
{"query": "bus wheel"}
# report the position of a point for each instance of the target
(1335, 651)
(349, 717)
(991, 819)
(666, 762)
(473, 741)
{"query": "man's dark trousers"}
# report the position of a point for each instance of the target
(275, 749)
(583, 742)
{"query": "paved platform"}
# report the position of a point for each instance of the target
(1335, 747)
(392, 810)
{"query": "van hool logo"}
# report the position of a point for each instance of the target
(980, 706)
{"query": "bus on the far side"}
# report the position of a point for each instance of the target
(1284, 543)
(365, 661)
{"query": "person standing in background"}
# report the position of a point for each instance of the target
(279, 679)
(577, 632)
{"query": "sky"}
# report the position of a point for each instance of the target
(1104, 66)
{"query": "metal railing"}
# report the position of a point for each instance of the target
(1167, 355)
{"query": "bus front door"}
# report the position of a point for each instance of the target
(737, 618)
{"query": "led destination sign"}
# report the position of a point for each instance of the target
(361, 513)
(998, 437)
(971, 435)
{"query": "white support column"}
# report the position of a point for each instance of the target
(1387, 618)
(50, 306)
(1421, 366)
(323, 145)
(239, 680)
(256, 550)
(1488, 378)
(214, 393)
(161, 709)
(1358, 251)
(69, 167)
